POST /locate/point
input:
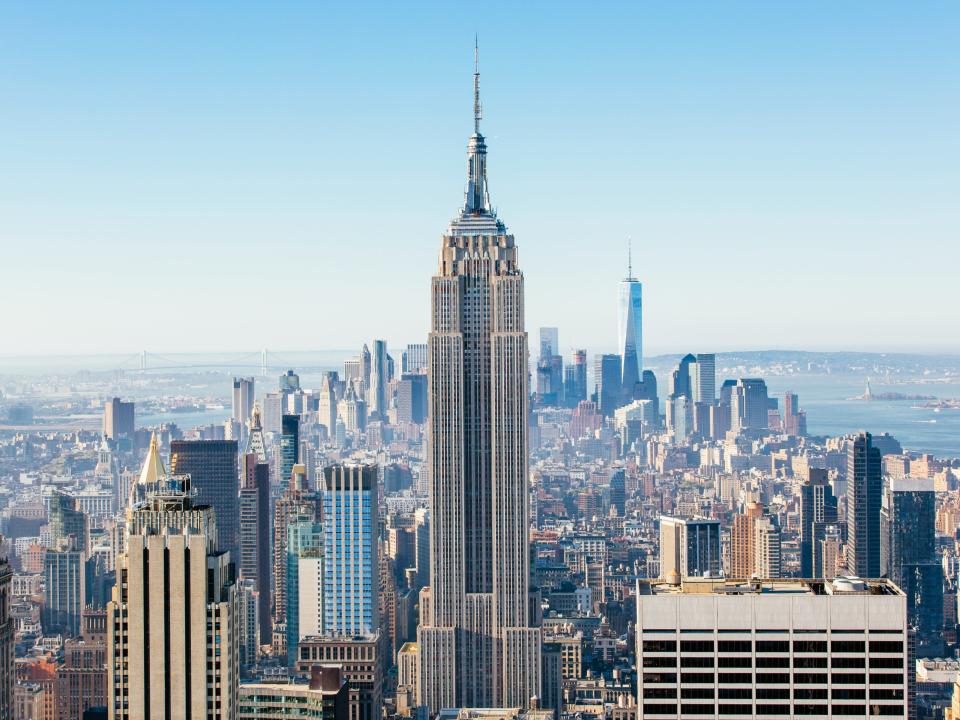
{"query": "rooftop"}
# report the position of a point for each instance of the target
(784, 586)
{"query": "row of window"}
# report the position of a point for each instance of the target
(773, 646)
(727, 678)
(782, 710)
(774, 661)
(658, 692)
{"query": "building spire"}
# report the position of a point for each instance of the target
(477, 109)
(629, 256)
(477, 201)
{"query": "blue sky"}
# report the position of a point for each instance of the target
(229, 176)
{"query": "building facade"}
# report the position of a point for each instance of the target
(478, 648)
(782, 648)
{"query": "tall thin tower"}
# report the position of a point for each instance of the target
(630, 326)
(476, 645)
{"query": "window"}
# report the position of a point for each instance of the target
(728, 678)
(848, 662)
(725, 709)
(849, 693)
(774, 710)
(696, 661)
(773, 678)
(809, 662)
(743, 646)
(780, 646)
(885, 679)
(848, 646)
(848, 678)
(696, 646)
(809, 646)
(698, 709)
(773, 693)
(668, 661)
(809, 709)
(886, 662)
(773, 662)
(734, 662)
(849, 710)
(810, 678)
(659, 709)
(659, 693)
(886, 694)
(661, 677)
(735, 693)
(696, 678)
(897, 710)
(659, 646)
(697, 693)
(886, 646)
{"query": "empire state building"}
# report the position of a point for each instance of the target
(475, 642)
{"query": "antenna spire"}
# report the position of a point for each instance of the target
(629, 258)
(477, 110)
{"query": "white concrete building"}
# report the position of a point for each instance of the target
(776, 648)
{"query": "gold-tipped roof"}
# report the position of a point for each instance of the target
(153, 469)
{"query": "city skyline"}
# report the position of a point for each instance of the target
(759, 140)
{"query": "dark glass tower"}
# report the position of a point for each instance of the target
(864, 492)
(212, 467)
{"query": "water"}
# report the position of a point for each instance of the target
(825, 398)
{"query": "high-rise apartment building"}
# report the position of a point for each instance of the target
(608, 383)
(742, 555)
(379, 377)
(243, 397)
(118, 419)
(64, 570)
(351, 568)
(864, 497)
(575, 380)
(909, 557)
(289, 452)
(703, 379)
(304, 540)
(749, 405)
(412, 398)
(173, 636)
(818, 511)
(767, 559)
(255, 561)
(296, 502)
(414, 358)
(630, 329)
(212, 467)
(778, 648)
(477, 647)
(689, 548)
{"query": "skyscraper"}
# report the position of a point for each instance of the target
(173, 648)
(630, 328)
(118, 419)
(749, 405)
(703, 378)
(212, 467)
(575, 380)
(414, 358)
(864, 496)
(289, 452)
(818, 511)
(243, 396)
(379, 377)
(909, 557)
(742, 555)
(607, 379)
(549, 342)
(478, 648)
(351, 580)
(690, 548)
(64, 589)
(255, 561)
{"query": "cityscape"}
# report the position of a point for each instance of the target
(488, 521)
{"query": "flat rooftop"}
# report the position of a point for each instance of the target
(779, 586)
